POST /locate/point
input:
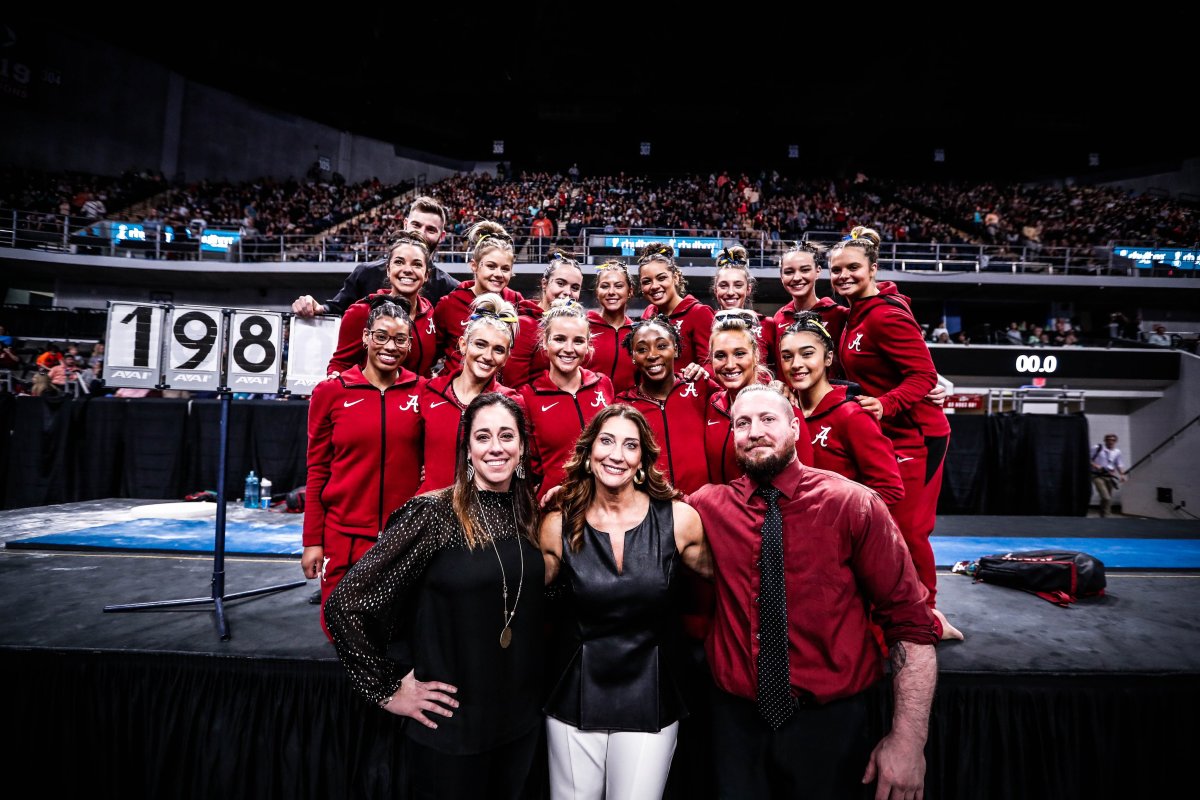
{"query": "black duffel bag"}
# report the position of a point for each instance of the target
(1057, 576)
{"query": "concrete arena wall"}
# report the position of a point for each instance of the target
(1175, 465)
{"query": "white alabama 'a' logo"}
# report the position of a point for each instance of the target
(324, 566)
(411, 405)
(855, 344)
(429, 330)
(823, 436)
(689, 391)
(599, 402)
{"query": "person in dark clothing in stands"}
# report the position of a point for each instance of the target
(426, 217)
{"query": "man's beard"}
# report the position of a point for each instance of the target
(767, 468)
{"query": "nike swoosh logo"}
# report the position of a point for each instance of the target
(552, 405)
(714, 422)
(435, 405)
(900, 460)
(349, 403)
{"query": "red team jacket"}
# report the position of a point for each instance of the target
(833, 316)
(694, 321)
(719, 448)
(528, 358)
(883, 349)
(678, 425)
(450, 320)
(441, 413)
(847, 440)
(608, 356)
(363, 451)
(556, 418)
(350, 352)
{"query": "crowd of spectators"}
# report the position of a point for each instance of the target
(543, 206)
(77, 195)
(1054, 216)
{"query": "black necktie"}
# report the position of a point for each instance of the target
(775, 702)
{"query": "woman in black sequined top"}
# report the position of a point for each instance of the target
(461, 568)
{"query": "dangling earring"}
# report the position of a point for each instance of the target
(639, 477)
(470, 471)
(521, 470)
(587, 466)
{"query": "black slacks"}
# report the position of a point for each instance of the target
(499, 773)
(820, 752)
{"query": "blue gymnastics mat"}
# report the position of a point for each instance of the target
(1115, 553)
(280, 538)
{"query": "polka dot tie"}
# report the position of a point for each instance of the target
(775, 702)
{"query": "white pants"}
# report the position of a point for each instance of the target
(598, 765)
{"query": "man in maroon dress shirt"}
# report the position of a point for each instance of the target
(801, 555)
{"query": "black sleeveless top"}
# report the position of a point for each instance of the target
(624, 628)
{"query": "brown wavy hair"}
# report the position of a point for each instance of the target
(579, 488)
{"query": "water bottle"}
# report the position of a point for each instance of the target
(250, 499)
(264, 492)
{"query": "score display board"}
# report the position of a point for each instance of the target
(133, 340)
(194, 348)
(203, 348)
(311, 343)
(254, 351)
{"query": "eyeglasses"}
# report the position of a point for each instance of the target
(380, 338)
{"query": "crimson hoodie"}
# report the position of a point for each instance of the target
(883, 349)
(364, 446)
(847, 440)
(833, 316)
(719, 449)
(450, 320)
(694, 321)
(678, 425)
(350, 351)
(557, 417)
(441, 413)
(608, 356)
(528, 358)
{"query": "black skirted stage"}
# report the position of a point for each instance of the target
(1096, 701)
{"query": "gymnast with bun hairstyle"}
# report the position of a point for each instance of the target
(611, 324)
(883, 349)
(664, 286)
(733, 287)
(562, 278)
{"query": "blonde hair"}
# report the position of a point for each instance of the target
(738, 258)
(492, 310)
(744, 321)
(561, 308)
(485, 236)
(862, 238)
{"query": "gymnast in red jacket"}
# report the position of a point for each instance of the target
(845, 438)
(610, 325)
(733, 287)
(407, 272)
(491, 250)
(663, 285)
(562, 400)
(735, 365)
(562, 278)
(364, 447)
(486, 344)
(674, 407)
(799, 268)
(883, 350)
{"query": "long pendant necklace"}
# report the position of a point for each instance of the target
(507, 615)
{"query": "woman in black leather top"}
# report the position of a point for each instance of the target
(617, 538)
(459, 566)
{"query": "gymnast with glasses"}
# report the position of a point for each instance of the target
(364, 442)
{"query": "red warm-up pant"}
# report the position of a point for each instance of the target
(342, 551)
(915, 515)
